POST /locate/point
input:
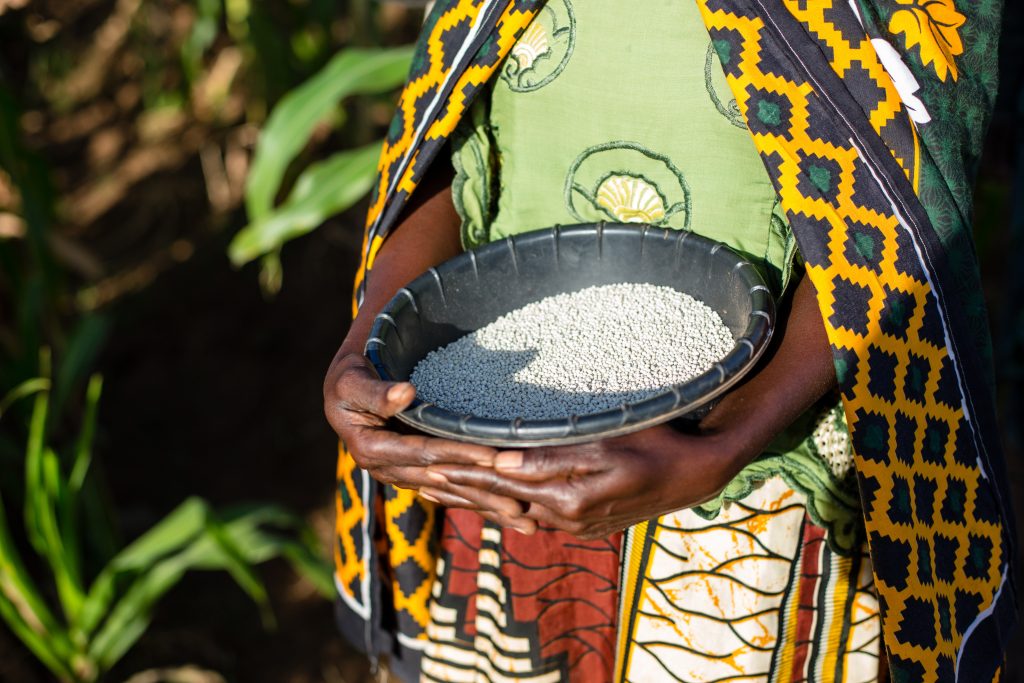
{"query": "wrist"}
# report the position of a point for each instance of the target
(708, 461)
(734, 436)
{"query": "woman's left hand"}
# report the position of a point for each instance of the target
(592, 490)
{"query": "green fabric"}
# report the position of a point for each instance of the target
(645, 159)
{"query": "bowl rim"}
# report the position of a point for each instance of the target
(685, 398)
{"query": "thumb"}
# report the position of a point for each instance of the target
(360, 389)
(536, 464)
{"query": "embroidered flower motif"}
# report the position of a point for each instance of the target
(934, 25)
(631, 200)
(626, 182)
(544, 50)
(532, 44)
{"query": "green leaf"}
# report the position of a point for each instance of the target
(322, 191)
(119, 607)
(350, 72)
(23, 390)
(308, 560)
(63, 564)
(305, 553)
(83, 447)
(178, 528)
(40, 645)
(132, 614)
(240, 568)
(219, 546)
(34, 492)
(25, 611)
(175, 531)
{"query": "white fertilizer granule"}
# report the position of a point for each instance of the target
(575, 354)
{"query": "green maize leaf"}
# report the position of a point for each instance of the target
(176, 531)
(305, 554)
(21, 605)
(241, 570)
(34, 493)
(71, 507)
(173, 532)
(40, 644)
(63, 565)
(261, 514)
(132, 614)
(350, 72)
(233, 542)
(83, 447)
(248, 525)
(247, 537)
(23, 390)
(323, 190)
(310, 564)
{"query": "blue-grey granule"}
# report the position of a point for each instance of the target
(576, 353)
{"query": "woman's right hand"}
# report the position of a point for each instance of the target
(360, 406)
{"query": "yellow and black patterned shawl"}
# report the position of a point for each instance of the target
(868, 115)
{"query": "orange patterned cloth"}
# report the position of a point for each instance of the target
(868, 116)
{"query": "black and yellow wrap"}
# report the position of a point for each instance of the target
(869, 117)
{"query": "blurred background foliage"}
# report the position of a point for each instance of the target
(139, 140)
(180, 186)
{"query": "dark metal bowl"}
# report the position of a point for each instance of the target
(475, 288)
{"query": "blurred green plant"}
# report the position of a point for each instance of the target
(70, 590)
(100, 620)
(324, 188)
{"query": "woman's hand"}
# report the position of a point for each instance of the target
(595, 489)
(591, 490)
(359, 407)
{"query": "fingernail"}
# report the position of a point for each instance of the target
(397, 392)
(483, 460)
(437, 476)
(509, 460)
(427, 496)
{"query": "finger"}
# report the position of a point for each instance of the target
(588, 531)
(385, 447)
(485, 500)
(415, 478)
(447, 499)
(359, 389)
(488, 480)
(451, 500)
(527, 527)
(539, 464)
(546, 517)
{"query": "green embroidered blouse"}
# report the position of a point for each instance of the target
(648, 132)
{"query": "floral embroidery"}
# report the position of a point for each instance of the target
(934, 25)
(543, 51)
(626, 182)
(631, 200)
(532, 45)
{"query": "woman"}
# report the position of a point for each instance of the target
(744, 552)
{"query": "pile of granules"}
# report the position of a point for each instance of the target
(575, 354)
